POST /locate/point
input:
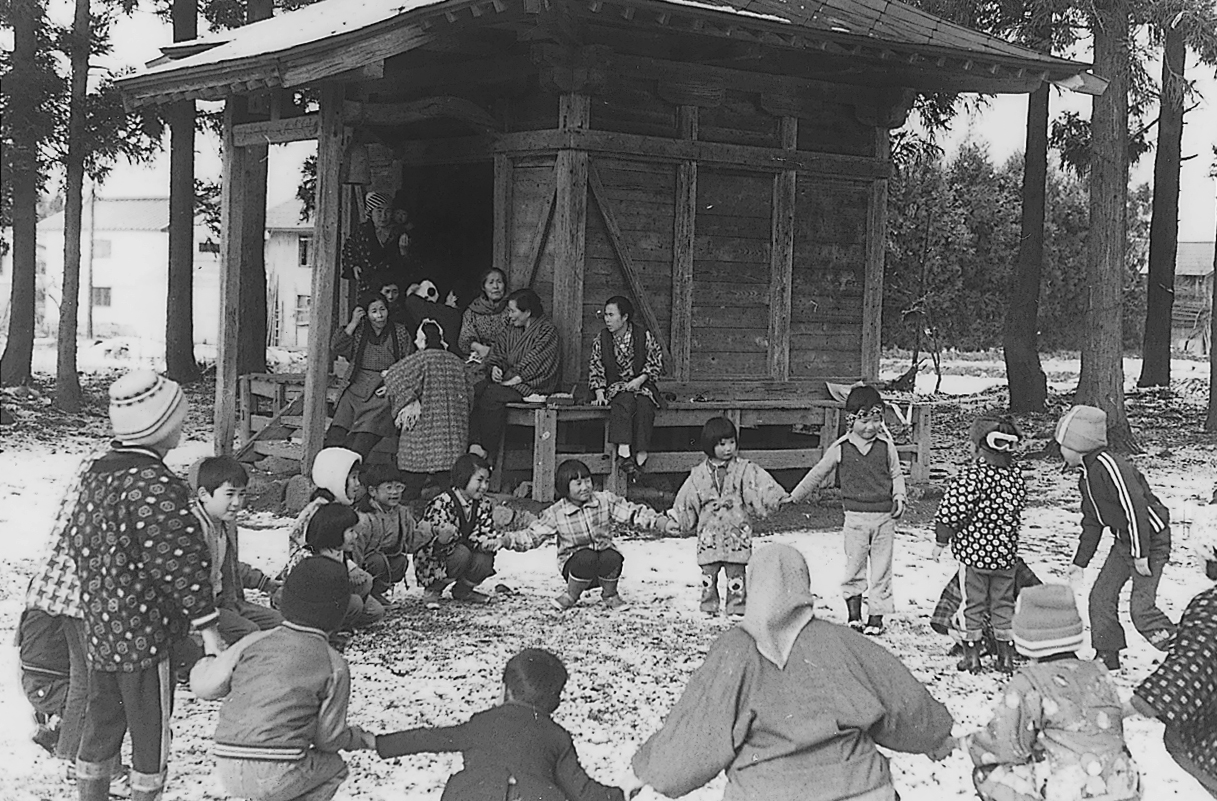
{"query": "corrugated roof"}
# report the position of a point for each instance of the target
(1194, 258)
(286, 217)
(119, 214)
(284, 50)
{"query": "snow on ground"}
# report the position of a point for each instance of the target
(627, 667)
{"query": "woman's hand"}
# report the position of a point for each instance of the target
(671, 528)
(445, 533)
(381, 391)
(496, 374)
(511, 382)
(636, 384)
(481, 350)
(600, 399)
(407, 418)
(451, 300)
(356, 318)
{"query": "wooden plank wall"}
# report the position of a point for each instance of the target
(532, 249)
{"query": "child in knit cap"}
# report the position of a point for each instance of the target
(285, 691)
(979, 517)
(514, 750)
(1116, 496)
(1058, 728)
(1182, 692)
(868, 470)
(138, 594)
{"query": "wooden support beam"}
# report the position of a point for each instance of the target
(331, 145)
(430, 108)
(622, 250)
(232, 210)
(570, 236)
(536, 245)
(872, 282)
(317, 65)
(501, 248)
(781, 263)
(685, 213)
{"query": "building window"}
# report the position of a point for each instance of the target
(209, 246)
(303, 306)
(305, 247)
(101, 296)
(101, 249)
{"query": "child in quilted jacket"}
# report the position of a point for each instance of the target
(386, 534)
(1058, 727)
(463, 541)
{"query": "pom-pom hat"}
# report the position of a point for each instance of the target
(316, 594)
(146, 408)
(1046, 621)
(1082, 429)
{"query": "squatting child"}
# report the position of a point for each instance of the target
(1058, 728)
(331, 533)
(286, 691)
(514, 750)
(1116, 496)
(873, 494)
(719, 500)
(582, 520)
(979, 517)
(386, 533)
(463, 542)
(219, 484)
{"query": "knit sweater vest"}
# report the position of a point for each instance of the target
(866, 480)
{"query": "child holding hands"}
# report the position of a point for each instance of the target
(463, 540)
(873, 494)
(386, 533)
(582, 520)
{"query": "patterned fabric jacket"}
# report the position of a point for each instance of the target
(1183, 690)
(980, 515)
(1116, 496)
(720, 504)
(55, 589)
(484, 321)
(588, 525)
(430, 562)
(621, 367)
(438, 380)
(143, 564)
(530, 353)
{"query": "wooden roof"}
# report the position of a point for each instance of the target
(877, 42)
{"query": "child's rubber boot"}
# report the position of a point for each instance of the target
(971, 657)
(1005, 656)
(92, 780)
(854, 606)
(1110, 659)
(737, 598)
(574, 588)
(608, 593)
(147, 786)
(874, 625)
(709, 593)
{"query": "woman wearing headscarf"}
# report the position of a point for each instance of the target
(791, 706)
(372, 252)
(431, 396)
(485, 318)
(372, 344)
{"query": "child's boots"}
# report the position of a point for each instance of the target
(971, 657)
(709, 592)
(854, 606)
(1005, 656)
(574, 588)
(737, 596)
(608, 593)
(874, 625)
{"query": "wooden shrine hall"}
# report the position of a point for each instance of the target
(724, 164)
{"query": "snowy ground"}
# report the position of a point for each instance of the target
(627, 667)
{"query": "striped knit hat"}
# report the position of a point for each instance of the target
(1046, 621)
(145, 408)
(376, 200)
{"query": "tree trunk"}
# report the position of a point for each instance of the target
(1024, 374)
(180, 364)
(1102, 380)
(1164, 226)
(251, 348)
(21, 105)
(67, 383)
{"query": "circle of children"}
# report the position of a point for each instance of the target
(787, 704)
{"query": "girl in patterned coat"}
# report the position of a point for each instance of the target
(719, 500)
(979, 517)
(1058, 729)
(463, 544)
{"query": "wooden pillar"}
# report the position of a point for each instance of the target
(781, 264)
(232, 210)
(682, 249)
(569, 233)
(331, 146)
(872, 286)
(501, 256)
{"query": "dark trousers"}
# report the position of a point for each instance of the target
(594, 566)
(246, 618)
(987, 596)
(140, 702)
(361, 442)
(468, 565)
(385, 570)
(631, 421)
(489, 418)
(1106, 633)
(415, 482)
(73, 716)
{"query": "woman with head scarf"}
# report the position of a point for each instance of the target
(485, 318)
(431, 395)
(791, 706)
(372, 251)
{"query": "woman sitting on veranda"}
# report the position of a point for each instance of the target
(372, 345)
(524, 361)
(485, 319)
(626, 362)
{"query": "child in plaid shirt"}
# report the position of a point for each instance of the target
(582, 520)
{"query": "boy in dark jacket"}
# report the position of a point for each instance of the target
(514, 751)
(1116, 496)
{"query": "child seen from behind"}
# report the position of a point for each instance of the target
(872, 491)
(719, 500)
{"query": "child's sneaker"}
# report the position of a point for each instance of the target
(874, 626)
(563, 601)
